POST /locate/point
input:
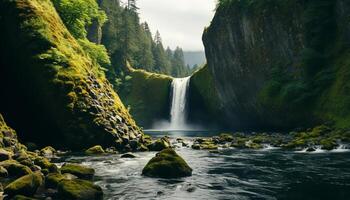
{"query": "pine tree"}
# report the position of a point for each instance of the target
(162, 64)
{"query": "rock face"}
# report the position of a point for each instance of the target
(53, 89)
(268, 58)
(148, 95)
(167, 164)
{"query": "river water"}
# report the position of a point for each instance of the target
(230, 174)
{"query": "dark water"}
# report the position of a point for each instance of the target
(230, 174)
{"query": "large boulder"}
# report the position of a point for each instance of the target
(167, 164)
(26, 185)
(80, 171)
(15, 169)
(95, 150)
(48, 151)
(79, 190)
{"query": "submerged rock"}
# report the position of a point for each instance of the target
(95, 150)
(26, 185)
(80, 171)
(128, 155)
(79, 190)
(310, 149)
(167, 164)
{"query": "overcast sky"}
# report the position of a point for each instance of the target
(180, 22)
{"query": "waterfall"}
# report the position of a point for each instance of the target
(178, 105)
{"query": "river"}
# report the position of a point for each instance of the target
(228, 174)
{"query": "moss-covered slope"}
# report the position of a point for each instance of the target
(49, 85)
(280, 64)
(148, 96)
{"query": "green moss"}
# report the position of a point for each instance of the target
(148, 96)
(52, 180)
(159, 144)
(328, 144)
(68, 92)
(78, 170)
(44, 163)
(95, 150)
(15, 169)
(21, 197)
(48, 151)
(26, 185)
(226, 137)
(79, 190)
(204, 102)
(167, 164)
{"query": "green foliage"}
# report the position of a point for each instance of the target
(77, 14)
(97, 53)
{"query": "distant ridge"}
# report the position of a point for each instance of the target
(194, 58)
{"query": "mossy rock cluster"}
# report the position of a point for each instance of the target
(167, 164)
(24, 173)
(324, 137)
(58, 94)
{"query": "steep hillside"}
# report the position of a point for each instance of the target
(50, 87)
(281, 64)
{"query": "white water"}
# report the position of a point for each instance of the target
(178, 103)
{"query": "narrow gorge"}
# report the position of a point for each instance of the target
(97, 104)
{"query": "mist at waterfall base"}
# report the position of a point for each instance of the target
(178, 109)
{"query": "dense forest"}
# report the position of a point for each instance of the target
(117, 26)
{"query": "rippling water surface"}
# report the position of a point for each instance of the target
(229, 174)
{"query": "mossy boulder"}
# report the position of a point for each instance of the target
(159, 144)
(252, 145)
(26, 185)
(44, 163)
(3, 172)
(80, 171)
(226, 137)
(328, 144)
(79, 190)
(21, 197)
(48, 151)
(95, 150)
(5, 155)
(52, 180)
(15, 169)
(167, 164)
